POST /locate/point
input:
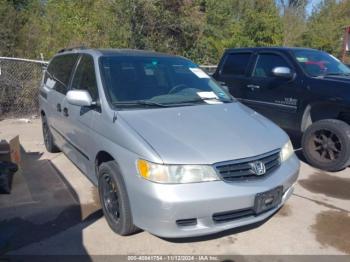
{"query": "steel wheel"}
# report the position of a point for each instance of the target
(114, 199)
(110, 198)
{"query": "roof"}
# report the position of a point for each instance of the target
(115, 52)
(133, 52)
(272, 48)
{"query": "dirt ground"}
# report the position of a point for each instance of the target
(54, 209)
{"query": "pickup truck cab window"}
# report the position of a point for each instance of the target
(266, 63)
(236, 64)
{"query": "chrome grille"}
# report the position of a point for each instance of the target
(242, 169)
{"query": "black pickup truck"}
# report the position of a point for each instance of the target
(304, 91)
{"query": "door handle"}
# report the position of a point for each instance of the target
(65, 111)
(253, 87)
(59, 108)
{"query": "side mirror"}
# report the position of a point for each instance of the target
(283, 72)
(79, 98)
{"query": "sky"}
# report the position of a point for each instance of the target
(311, 5)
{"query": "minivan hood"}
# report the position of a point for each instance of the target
(205, 134)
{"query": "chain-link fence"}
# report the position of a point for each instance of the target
(19, 86)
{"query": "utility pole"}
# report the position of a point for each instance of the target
(346, 42)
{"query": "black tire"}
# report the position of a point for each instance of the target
(48, 138)
(114, 199)
(326, 145)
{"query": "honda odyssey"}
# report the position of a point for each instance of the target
(170, 151)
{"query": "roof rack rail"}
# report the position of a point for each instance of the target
(71, 48)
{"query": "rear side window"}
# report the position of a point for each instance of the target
(59, 72)
(236, 64)
(267, 62)
(85, 77)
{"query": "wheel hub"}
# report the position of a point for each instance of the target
(327, 145)
(110, 198)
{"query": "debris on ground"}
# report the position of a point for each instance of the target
(23, 120)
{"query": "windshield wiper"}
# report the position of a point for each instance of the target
(171, 104)
(139, 102)
(203, 99)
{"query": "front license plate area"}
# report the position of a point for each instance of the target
(268, 200)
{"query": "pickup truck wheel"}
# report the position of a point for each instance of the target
(326, 144)
(114, 199)
(48, 138)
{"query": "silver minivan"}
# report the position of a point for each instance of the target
(170, 150)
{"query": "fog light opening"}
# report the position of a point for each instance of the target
(186, 222)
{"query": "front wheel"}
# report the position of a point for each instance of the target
(48, 138)
(326, 144)
(114, 199)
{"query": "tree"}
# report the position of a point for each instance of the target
(198, 29)
(10, 22)
(293, 15)
(172, 26)
(262, 23)
(53, 25)
(234, 23)
(325, 27)
(168, 26)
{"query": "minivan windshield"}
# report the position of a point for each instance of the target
(139, 81)
(317, 63)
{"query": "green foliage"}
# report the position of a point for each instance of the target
(10, 22)
(198, 29)
(262, 24)
(53, 25)
(326, 26)
(234, 23)
(171, 26)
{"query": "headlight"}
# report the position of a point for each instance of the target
(175, 174)
(287, 151)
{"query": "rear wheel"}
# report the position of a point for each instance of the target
(326, 144)
(48, 138)
(114, 199)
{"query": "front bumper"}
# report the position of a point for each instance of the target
(157, 207)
